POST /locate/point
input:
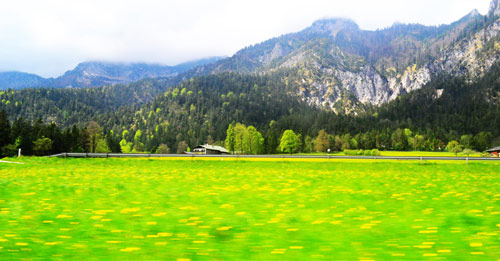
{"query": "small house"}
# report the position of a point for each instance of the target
(495, 152)
(209, 150)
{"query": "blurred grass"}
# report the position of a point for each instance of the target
(403, 154)
(234, 209)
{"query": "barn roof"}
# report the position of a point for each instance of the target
(212, 147)
(494, 149)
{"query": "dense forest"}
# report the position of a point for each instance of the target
(128, 118)
(67, 107)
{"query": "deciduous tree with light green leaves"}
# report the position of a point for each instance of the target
(289, 142)
(468, 152)
(417, 142)
(138, 145)
(230, 138)
(454, 146)
(254, 142)
(102, 147)
(246, 140)
(126, 147)
(239, 134)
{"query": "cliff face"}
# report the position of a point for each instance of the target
(471, 57)
(471, 54)
(494, 8)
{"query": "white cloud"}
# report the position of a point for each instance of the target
(49, 37)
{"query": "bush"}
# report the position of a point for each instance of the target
(354, 152)
(42, 146)
(373, 152)
(348, 152)
(102, 147)
(163, 149)
(9, 150)
(468, 152)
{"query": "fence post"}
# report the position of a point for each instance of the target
(19, 153)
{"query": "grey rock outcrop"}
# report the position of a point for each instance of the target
(471, 57)
(494, 8)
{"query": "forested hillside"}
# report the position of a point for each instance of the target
(449, 104)
(200, 110)
(66, 107)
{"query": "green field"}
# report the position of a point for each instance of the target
(213, 209)
(404, 154)
(425, 154)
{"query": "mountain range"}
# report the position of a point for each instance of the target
(331, 64)
(93, 74)
(334, 62)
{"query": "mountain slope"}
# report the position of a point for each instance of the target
(67, 106)
(19, 80)
(92, 74)
(200, 110)
(334, 63)
(449, 103)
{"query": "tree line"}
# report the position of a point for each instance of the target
(240, 139)
(38, 138)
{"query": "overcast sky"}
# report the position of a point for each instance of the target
(51, 36)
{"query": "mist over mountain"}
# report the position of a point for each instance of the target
(97, 73)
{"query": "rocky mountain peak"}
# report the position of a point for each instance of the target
(474, 13)
(333, 26)
(494, 8)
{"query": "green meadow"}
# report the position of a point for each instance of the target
(405, 154)
(213, 209)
